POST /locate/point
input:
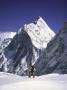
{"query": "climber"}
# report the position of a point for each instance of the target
(31, 71)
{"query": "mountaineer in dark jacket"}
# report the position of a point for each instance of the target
(31, 71)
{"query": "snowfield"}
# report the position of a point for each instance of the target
(45, 82)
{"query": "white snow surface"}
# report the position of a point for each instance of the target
(5, 35)
(39, 32)
(45, 82)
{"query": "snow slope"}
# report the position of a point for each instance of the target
(5, 38)
(46, 82)
(7, 34)
(4, 35)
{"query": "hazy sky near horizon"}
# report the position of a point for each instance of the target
(15, 13)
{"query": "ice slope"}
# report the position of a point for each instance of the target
(46, 82)
(39, 32)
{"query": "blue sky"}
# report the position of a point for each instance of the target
(15, 13)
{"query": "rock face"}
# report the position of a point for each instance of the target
(27, 47)
(56, 54)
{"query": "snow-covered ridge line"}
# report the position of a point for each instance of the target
(7, 34)
(5, 38)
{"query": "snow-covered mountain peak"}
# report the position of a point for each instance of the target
(5, 38)
(7, 34)
(40, 20)
(39, 33)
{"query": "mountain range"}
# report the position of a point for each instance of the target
(35, 44)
